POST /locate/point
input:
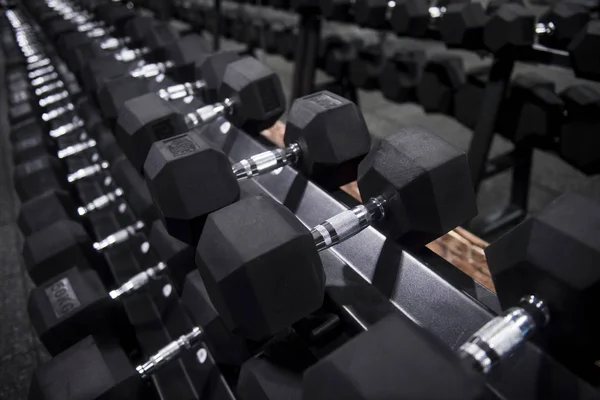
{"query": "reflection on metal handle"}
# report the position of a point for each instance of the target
(100, 202)
(119, 236)
(348, 223)
(501, 336)
(76, 149)
(43, 79)
(208, 113)
(53, 98)
(170, 352)
(47, 88)
(57, 112)
(87, 171)
(62, 130)
(138, 281)
(266, 162)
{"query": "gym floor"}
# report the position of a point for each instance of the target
(20, 351)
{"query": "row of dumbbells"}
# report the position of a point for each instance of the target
(70, 300)
(499, 28)
(258, 223)
(443, 81)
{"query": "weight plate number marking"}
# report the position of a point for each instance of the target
(62, 297)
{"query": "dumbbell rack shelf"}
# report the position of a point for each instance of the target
(368, 276)
(156, 315)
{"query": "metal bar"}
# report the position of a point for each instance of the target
(483, 135)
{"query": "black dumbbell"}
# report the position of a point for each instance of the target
(578, 143)
(402, 71)
(338, 10)
(445, 73)
(251, 98)
(418, 188)
(372, 13)
(539, 295)
(364, 70)
(207, 74)
(74, 303)
(337, 50)
(94, 356)
(533, 111)
(326, 137)
(513, 28)
(179, 58)
(54, 203)
(416, 18)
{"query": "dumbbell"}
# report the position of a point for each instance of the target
(366, 68)
(337, 49)
(372, 13)
(338, 10)
(179, 59)
(541, 299)
(445, 73)
(74, 303)
(418, 188)
(62, 244)
(513, 28)
(416, 18)
(93, 356)
(252, 98)
(208, 71)
(326, 137)
(402, 71)
(279, 36)
(534, 111)
(54, 204)
(578, 143)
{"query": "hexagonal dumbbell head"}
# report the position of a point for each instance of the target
(41, 211)
(226, 347)
(101, 70)
(144, 120)
(401, 74)
(582, 49)
(263, 272)
(567, 18)
(58, 247)
(332, 135)
(69, 307)
(579, 142)
(35, 177)
(93, 368)
(433, 194)
(177, 255)
(113, 94)
(539, 109)
(136, 27)
(555, 256)
(184, 53)
(410, 17)
(257, 92)
(210, 68)
(511, 28)
(462, 25)
(371, 13)
(173, 170)
(442, 75)
(366, 367)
